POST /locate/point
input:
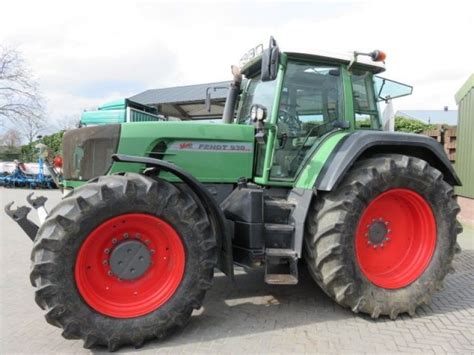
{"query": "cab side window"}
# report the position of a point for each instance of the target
(365, 105)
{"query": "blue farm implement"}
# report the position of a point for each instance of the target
(18, 178)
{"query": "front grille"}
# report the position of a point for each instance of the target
(88, 151)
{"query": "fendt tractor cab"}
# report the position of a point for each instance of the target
(299, 169)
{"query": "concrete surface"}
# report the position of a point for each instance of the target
(466, 216)
(249, 316)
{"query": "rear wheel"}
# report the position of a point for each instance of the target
(395, 238)
(383, 242)
(122, 260)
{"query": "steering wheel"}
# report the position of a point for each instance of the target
(290, 120)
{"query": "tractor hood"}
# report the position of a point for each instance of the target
(211, 152)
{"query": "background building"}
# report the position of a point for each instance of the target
(179, 103)
(186, 102)
(465, 149)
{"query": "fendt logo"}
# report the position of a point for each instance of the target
(201, 146)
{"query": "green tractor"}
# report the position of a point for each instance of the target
(299, 169)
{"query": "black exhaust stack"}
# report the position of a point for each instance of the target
(234, 89)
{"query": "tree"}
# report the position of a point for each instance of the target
(30, 127)
(11, 139)
(404, 124)
(67, 122)
(20, 101)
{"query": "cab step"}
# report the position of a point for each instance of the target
(278, 236)
(281, 267)
(277, 210)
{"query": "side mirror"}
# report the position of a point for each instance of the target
(270, 57)
(258, 113)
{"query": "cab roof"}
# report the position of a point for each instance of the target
(362, 62)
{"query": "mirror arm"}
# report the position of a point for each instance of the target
(381, 88)
(208, 99)
(208, 103)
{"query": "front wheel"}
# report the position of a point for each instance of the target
(384, 240)
(122, 260)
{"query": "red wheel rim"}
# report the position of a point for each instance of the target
(111, 296)
(409, 238)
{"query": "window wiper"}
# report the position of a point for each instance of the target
(336, 124)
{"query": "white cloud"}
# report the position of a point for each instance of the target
(80, 49)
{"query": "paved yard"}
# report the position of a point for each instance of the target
(249, 316)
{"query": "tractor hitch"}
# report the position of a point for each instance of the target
(20, 216)
(38, 204)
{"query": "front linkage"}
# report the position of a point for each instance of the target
(20, 214)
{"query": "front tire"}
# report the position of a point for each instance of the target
(384, 240)
(159, 232)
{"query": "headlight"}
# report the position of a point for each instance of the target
(258, 113)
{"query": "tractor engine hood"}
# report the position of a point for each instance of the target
(87, 151)
(208, 151)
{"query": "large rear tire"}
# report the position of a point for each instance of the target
(159, 232)
(384, 240)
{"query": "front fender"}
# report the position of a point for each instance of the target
(216, 216)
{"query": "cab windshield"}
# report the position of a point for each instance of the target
(258, 92)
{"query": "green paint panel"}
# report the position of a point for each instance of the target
(72, 184)
(465, 139)
(97, 117)
(108, 113)
(210, 152)
(308, 176)
(348, 98)
(113, 105)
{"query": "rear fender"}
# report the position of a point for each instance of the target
(362, 144)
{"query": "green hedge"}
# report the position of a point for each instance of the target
(53, 141)
(403, 124)
(9, 156)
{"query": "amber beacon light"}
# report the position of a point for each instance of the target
(378, 55)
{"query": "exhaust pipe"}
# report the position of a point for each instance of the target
(234, 90)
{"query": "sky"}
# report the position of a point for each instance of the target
(84, 53)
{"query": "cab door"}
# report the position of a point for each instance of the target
(310, 101)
